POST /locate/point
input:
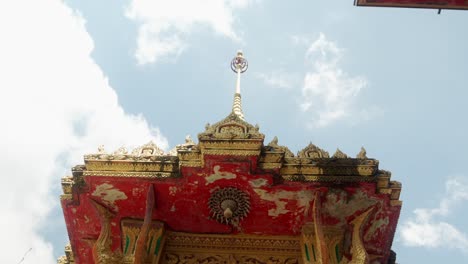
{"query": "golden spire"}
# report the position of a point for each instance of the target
(238, 65)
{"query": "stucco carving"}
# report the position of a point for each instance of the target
(232, 127)
(340, 155)
(273, 145)
(145, 152)
(312, 151)
(362, 154)
(229, 205)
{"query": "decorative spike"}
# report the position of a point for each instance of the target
(362, 154)
(339, 154)
(238, 65)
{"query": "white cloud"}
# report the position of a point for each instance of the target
(165, 24)
(329, 93)
(280, 79)
(55, 106)
(427, 228)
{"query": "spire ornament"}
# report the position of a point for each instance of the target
(239, 65)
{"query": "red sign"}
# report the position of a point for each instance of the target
(436, 4)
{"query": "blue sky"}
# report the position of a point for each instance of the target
(78, 74)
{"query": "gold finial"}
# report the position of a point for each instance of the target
(239, 65)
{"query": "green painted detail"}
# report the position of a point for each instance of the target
(306, 252)
(134, 244)
(158, 245)
(313, 252)
(150, 244)
(337, 253)
(127, 243)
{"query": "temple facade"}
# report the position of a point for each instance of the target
(229, 198)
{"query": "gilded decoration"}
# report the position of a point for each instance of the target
(358, 251)
(68, 258)
(312, 151)
(147, 152)
(190, 158)
(269, 166)
(231, 152)
(163, 164)
(144, 161)
(326, 244)
(328, 231)
(102, 253)
(175, 258)
(129, 174)
(391, 188)
(232, 127)
(153, 245)
(271, 156)
(229, 205)
(326, 178)
(273, 146)
(362, 154)
(231, 145)
(187, 146)
(180, 247)
(228, 244)
(340, 155)
(67, 184)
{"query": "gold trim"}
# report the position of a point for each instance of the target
(317, 169)
(272, 157)
(191, 164)
(229, 152)
(384, 191)
(327, 178)
(97, 165)
(232, 145)
(68, 258)
(358, 251)
(256, 244)
(66, 197)
(101, 250)
(270, 166)
(67, 184)
(139, 174)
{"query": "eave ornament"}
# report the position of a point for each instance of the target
(149, 151)
(340, 155)
(314, 152)
(229, 205)
(362, 154)
(274, 146)
(231, 127)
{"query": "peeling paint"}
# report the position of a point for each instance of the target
(281, 198)
(376, 225)
(109, 194)
(258, 183)
(173, 208)
(339, 205)
(86, 219)
(218, 175)
(73, 210)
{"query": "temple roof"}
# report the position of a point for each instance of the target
(229, 197)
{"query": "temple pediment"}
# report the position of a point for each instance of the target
(230, 198)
